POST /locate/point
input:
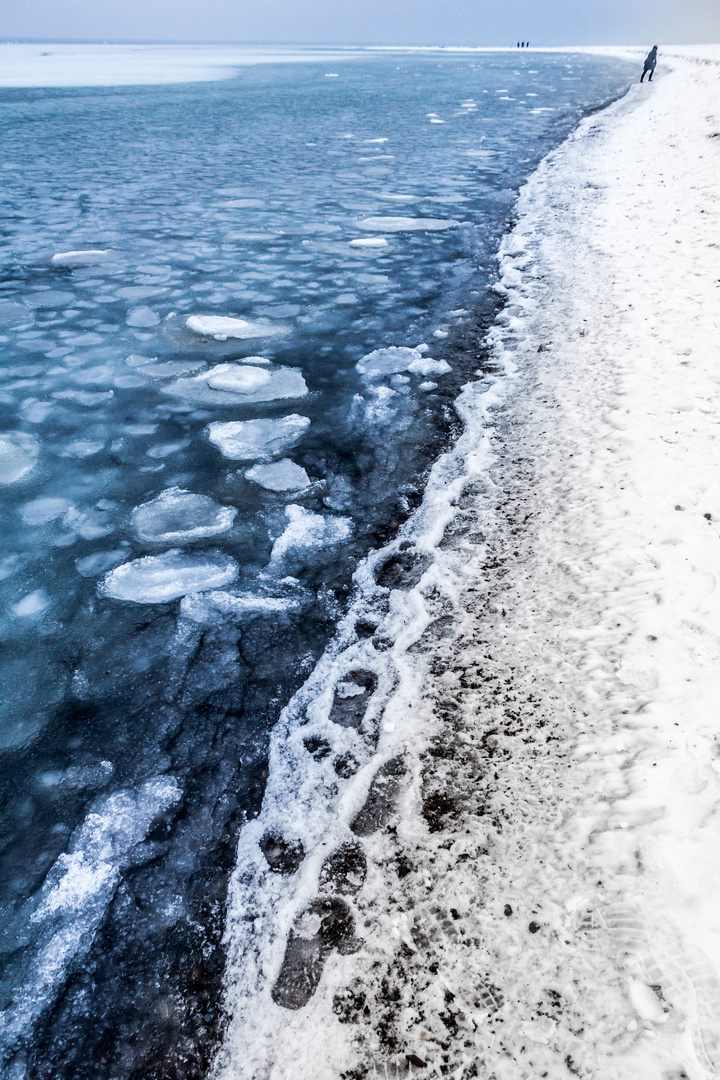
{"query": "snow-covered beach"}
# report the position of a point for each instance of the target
(525, 877)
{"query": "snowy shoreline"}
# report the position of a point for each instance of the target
(532, 888)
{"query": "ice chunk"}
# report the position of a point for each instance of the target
(32, 604)
(80, 258)
(257, 440)
(18, 454)
(309, 530)
(221, 327)
(369, 242)
(282, 475)
(406, 224)
(92, 565)
(142, 316)
(213, 607)
(85, 397)
(177, 515)
(169, 369)
(239, 379)
(234, 383)
(388, 361)
(157, 579)
(425, 365)
(15, 316)
(41, 511)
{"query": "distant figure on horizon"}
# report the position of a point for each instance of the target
(650, 62)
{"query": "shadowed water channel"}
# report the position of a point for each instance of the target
(139, 695)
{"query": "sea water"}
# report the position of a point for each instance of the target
(233, 319)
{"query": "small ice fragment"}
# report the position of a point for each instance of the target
(84, 397)
(440, 333)
(99, 562)
(257, 440)
(32, 604)
(238, 379)
(388, 361)
(221, 327)
(436, 120)
(331, 75)
(80, 258)
(369, 242)
(309, 530)
(282, 475)
(169, 369)
(42, 511)
(163, 450)
(142, 316)
(18, 454)
(158, 579)
(425, 365)
(406, 224)
(177, 515)
(428, 386)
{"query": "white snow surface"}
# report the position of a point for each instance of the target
(542, 884)
(257, 440)
(81, 258)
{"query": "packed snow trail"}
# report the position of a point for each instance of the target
(502, 859)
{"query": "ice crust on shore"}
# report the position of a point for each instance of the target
(159, 579)
(177, 516)
(257, 440)
(543, 689)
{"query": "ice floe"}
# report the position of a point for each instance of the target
(234, 383)
(282, 475)
(222, 327)
(257, 440)
(369, 242)
(397, 358)
(309, 530)
(177, 515)
(157, 579)
(215, 607)
(81, 258)
(18, 454)
(406, 224)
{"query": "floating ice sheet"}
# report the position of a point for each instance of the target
(157, 579)
(309, 530)
(222, 327)
(234, 383)
(257, 440)
(81, 258)
(18, 454)
(369, 242)
(215, 607)
(177, 515)
(395, 359)
(282, 475)
(406, 224)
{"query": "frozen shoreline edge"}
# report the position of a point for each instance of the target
(410, 614)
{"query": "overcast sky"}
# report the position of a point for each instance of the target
(384, 22)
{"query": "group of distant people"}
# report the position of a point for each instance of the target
(523, 44)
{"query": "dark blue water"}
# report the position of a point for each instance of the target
(139, 686)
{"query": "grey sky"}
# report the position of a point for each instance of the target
(401, 22)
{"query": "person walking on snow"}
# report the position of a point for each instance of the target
(650, 62)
